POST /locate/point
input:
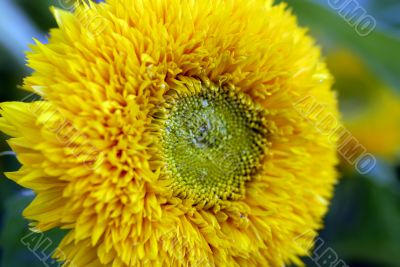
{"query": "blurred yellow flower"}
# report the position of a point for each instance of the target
(371, 109)
(167, 134)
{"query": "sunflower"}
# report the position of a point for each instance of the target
(167, 134)
(371, 107)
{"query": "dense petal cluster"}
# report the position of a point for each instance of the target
(92, 153)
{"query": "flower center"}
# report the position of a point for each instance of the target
(213, 140)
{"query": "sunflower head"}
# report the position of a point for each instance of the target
(171, 137)
(366, 102)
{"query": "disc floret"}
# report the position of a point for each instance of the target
(213, 138)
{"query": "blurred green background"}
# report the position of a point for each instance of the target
(363, 225)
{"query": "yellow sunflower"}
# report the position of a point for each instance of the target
(167, 134)
(371, 108)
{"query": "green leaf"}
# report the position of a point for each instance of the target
(22, 247)
(363, 222)
(379, 48)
